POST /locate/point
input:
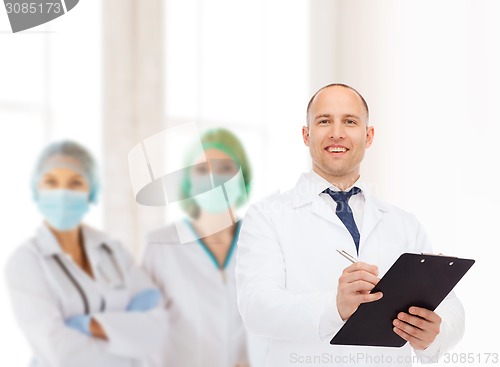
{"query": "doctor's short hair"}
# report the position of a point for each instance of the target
(365, 105)
(227, 142)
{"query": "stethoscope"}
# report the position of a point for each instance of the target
(111, 283)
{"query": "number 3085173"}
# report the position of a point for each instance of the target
(33, 8)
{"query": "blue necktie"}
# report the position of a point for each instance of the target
(344, 211)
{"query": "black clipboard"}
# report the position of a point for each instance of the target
(413, 280)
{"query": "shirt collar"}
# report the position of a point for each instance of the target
(310, 185)
(322, 184)
(47, 242)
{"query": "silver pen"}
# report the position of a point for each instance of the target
(347, 256)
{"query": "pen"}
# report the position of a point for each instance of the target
(347, 256)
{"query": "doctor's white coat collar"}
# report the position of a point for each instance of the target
(48, 245)
(310, 185)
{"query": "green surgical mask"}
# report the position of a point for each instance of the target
(213, 200)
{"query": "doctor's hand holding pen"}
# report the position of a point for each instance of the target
(354, 287)
(419, 326)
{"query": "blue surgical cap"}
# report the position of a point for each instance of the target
(71, 155)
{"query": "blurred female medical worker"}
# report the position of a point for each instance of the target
(77, 295)
(193, 260)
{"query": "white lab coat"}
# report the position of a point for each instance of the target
(205, 327)
(43, 297)
(288, 269)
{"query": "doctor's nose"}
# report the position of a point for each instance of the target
(336, 131)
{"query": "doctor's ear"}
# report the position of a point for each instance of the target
(305, 135)
(370, 133)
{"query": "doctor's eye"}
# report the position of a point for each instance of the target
(76, 183)
(323, 122)
(227, 167)
(49, 182)
(201, 169)
(350, 122)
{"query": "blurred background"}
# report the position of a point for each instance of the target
(111, 73)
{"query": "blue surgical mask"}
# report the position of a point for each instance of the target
(63, 209)
(213, 200)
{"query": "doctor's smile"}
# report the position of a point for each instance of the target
(336, 149)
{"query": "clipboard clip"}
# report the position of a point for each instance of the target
(440, 254)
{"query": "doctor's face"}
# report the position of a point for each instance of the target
(337, 135)
(206, 179)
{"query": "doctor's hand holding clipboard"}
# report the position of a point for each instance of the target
(419, 327)
(76, 293)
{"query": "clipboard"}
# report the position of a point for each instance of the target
(413, 280)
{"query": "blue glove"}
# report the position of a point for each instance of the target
(80, 323)
(145, 300)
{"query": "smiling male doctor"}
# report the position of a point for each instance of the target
(294, 288)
